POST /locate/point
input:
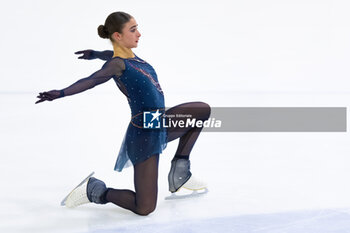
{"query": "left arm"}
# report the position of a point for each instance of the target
(90, 54)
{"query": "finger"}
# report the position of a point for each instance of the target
(42, 96)
(48, 97)
(81, 57)
(39, 101)
(79, 52)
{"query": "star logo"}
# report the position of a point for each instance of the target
(151, 119)
(156, 115)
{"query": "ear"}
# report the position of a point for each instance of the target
(116, 36)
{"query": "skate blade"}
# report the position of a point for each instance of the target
(63, 202)
(195, 193)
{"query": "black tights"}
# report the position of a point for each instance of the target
(144, 200)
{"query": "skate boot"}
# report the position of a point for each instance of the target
(181, 177)
(89, 190)
(179, 174)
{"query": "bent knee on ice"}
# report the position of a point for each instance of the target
(145, 210)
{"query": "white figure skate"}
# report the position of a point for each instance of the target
(78, 196)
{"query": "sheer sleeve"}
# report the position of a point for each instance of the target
(104, 55)
(111, 68)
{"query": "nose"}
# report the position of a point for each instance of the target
(138, 34)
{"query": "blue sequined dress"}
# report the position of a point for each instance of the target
(140, 84)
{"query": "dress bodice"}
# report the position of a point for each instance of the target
(139, 82)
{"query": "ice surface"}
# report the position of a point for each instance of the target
(264, 182)
(320, 221)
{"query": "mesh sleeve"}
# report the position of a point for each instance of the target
(104, 55)
(111, 68)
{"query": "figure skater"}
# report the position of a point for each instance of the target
(139, 83)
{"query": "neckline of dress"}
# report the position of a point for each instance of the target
(136, 58)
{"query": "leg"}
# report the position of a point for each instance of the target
(188, 136)
(144, 200)
(180, 173)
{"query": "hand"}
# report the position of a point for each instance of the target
(87, 54)
(49, 95)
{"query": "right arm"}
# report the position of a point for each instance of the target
(90, 54)
(110, 69)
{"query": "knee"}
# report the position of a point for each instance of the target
(145, 210)
(205, 109)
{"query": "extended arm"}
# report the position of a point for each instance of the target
(111, 68)
(90, 54)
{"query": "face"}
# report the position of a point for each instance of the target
(130, 35)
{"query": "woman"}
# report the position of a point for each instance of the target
(139, 83)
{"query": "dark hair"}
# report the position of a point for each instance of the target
(114, 23)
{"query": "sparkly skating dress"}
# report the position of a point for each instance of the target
(140, 85)
(138, 81)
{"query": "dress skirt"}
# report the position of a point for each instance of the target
(139, 144)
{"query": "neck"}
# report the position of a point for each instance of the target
(120, 51)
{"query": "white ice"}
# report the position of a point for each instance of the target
(225, 53)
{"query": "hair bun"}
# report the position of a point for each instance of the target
(102, 32)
